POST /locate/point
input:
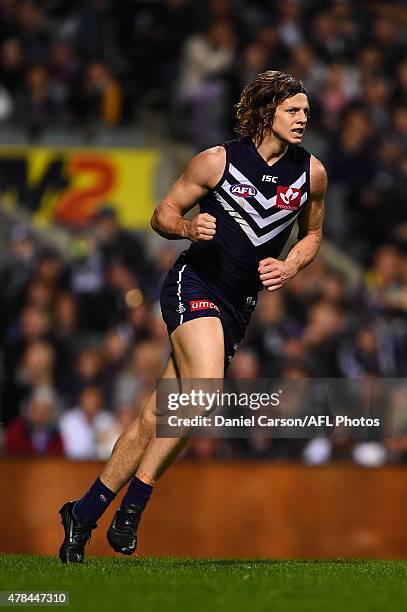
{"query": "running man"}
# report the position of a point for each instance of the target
(250, 191)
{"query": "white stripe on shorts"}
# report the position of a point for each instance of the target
(181, 319)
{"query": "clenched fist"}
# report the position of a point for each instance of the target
(202, 227)
(275, 273)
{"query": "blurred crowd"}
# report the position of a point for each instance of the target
(96, 62)
(83, 343)
(82, 338)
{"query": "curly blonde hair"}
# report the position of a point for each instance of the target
(257, 105)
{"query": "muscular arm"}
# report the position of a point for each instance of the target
(310, 221)
(202, 174)
(274, 273)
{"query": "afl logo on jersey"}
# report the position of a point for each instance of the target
(243, 190)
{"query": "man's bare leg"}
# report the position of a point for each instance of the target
(198, 350)
(79, 517)
(130, 446)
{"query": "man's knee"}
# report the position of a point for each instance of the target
(148, 419)
(139, 426)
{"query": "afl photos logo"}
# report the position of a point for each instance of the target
(288, 198)
(243, 190)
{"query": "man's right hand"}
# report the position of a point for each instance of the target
(202, 227)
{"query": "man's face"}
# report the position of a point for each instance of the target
(291, 119)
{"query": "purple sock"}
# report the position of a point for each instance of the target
(93, 504)
(137, 494)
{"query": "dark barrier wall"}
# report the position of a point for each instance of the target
(232, 509)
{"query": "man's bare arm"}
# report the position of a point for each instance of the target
(202, 174)
(275, 273)
(310, 221)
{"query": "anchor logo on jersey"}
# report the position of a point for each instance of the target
(288, 198)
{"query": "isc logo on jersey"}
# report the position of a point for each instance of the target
(288, 198)
(243, 190)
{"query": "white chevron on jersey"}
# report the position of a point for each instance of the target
(260, 198)
(251, 234)
(258, 219)
(238, 218)
(258, 240)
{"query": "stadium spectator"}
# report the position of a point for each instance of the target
(305, 65)
(34, 31)
(8, 18)
(101, 99)
(117, 244)
(335, 94)
(88, 370)
(35, 369)
(396, 440)
(16, 272)
(139, 321)
(120, 282)
(322, 334)
(245, 365)
(271, 332)
(205, 62)
(115, 351)
(400, 90)
(64, 76)
(11, 65)
(143, 368)
(253, 60)
(32, 326)
(35, 432)
(84, 427)
(35, 107)
(68, 337)
(96, 63)
(91, 29)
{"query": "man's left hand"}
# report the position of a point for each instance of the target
(275, 273)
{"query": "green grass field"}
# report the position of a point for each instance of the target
(195, 585)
